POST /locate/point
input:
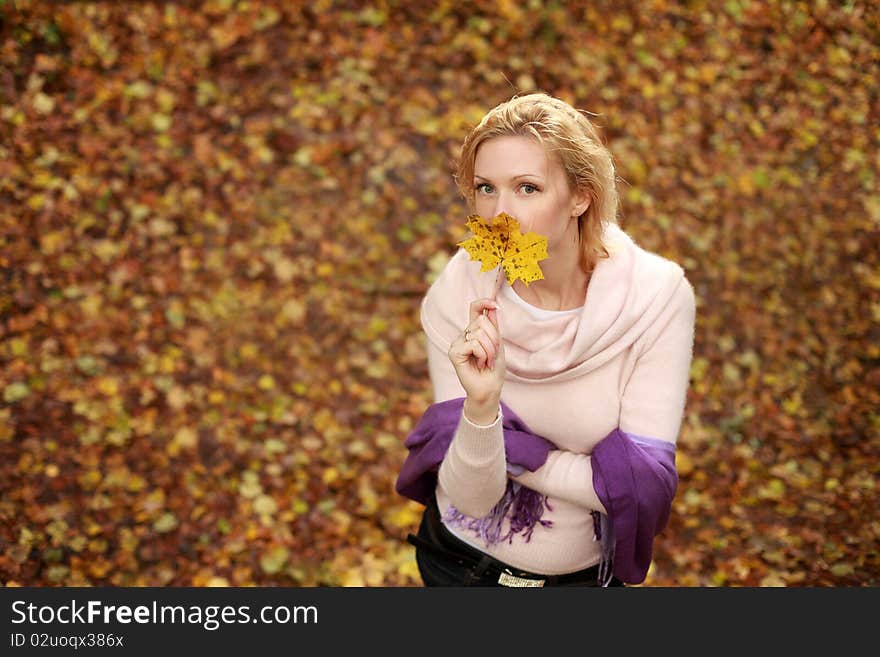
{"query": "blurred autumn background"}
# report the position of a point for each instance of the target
(218, 219)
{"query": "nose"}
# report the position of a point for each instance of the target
(503, 203)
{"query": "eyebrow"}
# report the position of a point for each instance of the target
(516, 177)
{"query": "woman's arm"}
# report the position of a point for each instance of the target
(474, 472)
(652, 404)
(653, 399)
(567, 476)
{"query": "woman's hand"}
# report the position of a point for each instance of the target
(478, 358)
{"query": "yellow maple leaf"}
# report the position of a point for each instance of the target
(501, 242)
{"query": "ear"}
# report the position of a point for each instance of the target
(581, 201)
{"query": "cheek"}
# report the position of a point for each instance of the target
(484, 207)
(554, 227)
(542, 219)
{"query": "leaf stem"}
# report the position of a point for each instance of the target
(496, 287)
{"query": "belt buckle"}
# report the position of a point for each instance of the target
(509, 579)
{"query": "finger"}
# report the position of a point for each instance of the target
(477, 307)
(490, 324)
(495, 318)
(488, 337)
(486, 343)
(484, 322)
(460, 350)
(463, 347)
(478, 352)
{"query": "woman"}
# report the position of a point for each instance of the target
(548, 455)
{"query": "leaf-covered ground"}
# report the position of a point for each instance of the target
(218, 219)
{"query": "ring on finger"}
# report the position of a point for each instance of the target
(467, 335)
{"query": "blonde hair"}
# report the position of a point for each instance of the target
(573, 139)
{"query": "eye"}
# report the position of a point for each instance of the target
(529, 188)
(483, 188)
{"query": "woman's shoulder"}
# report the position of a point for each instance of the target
(460, 276)
(443, 309)
(652, 279)
(645, 262)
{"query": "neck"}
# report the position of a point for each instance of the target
(564, 284)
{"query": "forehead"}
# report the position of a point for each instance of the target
(513, 155)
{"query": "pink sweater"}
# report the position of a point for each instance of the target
(622, 360)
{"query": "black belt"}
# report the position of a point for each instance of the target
(486, 568)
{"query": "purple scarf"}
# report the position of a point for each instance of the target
(634, 477)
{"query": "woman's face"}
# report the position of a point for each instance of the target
(514, 174)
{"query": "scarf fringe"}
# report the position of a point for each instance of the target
(523, 506)
(604, 531)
